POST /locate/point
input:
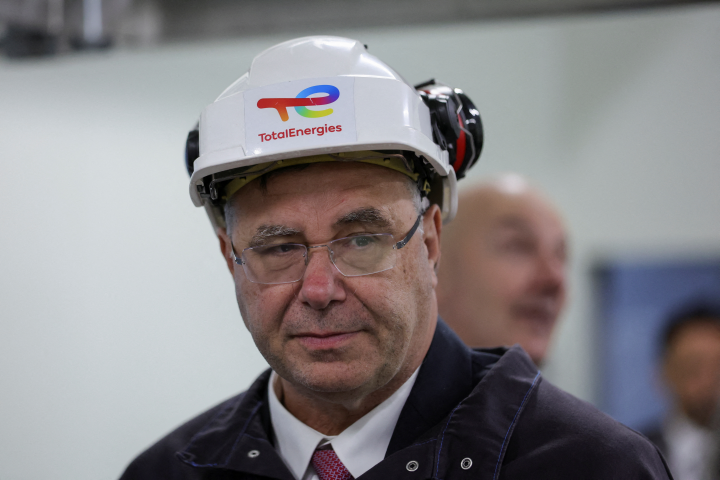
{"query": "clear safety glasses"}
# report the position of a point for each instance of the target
(352, 256)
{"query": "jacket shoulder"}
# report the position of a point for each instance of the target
(158, 462)
(566, 437)
(654, 433)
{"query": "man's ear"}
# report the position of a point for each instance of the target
(432, 228)
(226, 248)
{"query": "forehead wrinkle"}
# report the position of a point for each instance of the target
(514, 222)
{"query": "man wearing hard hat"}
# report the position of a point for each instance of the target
(328, 178)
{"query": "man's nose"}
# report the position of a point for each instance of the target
(550, 273)
(322, 282)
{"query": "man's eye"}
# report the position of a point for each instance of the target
(518, 246)
(360, 241)
(279, 250)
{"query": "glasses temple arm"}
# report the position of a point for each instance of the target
(407, 238)
(237, 260)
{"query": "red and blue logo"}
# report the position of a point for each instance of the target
(302, 101)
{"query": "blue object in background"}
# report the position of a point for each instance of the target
(635, 301)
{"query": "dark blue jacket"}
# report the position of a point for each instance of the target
(488, 410)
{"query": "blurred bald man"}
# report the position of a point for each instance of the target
(502, 276)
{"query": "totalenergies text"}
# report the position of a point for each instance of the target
(299, 132)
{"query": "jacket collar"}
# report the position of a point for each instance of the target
(444, 380)
(467, 402)
(238, 438)
(480, 427)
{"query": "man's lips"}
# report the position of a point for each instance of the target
(325, 340)
(542, 316)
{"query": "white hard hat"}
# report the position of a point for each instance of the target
(357, 104)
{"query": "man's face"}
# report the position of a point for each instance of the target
(511, 272)
(327, 332)
(692, 370)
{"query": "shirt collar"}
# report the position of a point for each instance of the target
(360, 447)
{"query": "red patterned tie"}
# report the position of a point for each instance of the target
(328, 466)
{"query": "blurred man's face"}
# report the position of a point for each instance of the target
(692, 371)
(510, 285)
(329, 333)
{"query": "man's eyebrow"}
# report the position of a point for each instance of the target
(266, 232)
(366, 216)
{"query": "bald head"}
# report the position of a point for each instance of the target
(502, 275)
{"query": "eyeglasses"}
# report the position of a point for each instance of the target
(352, 256)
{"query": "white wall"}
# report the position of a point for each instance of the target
(118, 317)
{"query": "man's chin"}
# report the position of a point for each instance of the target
(536, 348)
(331, 377)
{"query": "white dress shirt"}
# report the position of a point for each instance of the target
(359, 447)
(689, 448)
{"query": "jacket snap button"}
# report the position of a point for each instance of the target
(253, 453)
(412, 465)
(466, 463)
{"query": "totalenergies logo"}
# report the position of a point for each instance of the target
(303, 100)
